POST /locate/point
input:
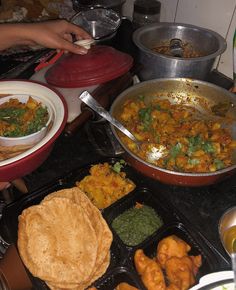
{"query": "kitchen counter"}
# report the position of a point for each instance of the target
(202, 206)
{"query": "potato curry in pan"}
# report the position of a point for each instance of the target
(177, 136)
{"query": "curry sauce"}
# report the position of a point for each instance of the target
(176, 137)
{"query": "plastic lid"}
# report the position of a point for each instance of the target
(99, 65)
(147, 7)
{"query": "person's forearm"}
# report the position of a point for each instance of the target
(13, 35)
(55, 34)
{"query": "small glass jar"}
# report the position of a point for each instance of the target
(146, 12)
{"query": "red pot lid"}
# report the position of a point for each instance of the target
(99, 65)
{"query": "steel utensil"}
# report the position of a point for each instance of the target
(154, 153)
(93, 104)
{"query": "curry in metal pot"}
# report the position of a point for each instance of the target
(177, 137)
(188, 51)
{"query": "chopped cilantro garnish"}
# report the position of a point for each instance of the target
(159, 108)
(219, 164)
(208, 147)
(118, 166)
(175, 150)
(145, 116)
(193, 161)
(197, 143)
(141, 97)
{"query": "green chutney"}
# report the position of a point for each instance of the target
(134, 225)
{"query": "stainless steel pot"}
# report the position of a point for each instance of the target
(195, 93)
(156, 65)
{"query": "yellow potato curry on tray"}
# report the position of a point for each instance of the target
(176, 136)
(106, 184)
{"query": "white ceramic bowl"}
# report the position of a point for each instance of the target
(216, 281)
(27, 161)
(32, 138)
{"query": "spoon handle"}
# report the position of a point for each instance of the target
(233, 260)
(93, 104)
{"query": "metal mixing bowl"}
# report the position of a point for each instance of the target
(157, 65)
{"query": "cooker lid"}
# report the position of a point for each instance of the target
(101, 64)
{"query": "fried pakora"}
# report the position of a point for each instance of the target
(150, 271)
(172, 268)
(181, 271)
(140, 261)
(171, 246)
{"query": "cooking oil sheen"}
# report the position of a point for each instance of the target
(229, 239)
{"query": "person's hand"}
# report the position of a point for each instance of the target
(57, 34)
(4, 185)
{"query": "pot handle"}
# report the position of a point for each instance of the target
(176, 47)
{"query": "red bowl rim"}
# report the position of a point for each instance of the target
(54, 137)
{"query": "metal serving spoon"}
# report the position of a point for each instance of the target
(93, 104)
(153, 155)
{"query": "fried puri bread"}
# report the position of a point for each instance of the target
(82, 286)
(57, 242)
(46, 223)
(103, 233)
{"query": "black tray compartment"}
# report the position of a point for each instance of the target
(143, 196)
(119, 275)
(198, 247)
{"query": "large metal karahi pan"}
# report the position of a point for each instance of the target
(196, 93)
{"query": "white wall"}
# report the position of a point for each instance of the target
(217, 15)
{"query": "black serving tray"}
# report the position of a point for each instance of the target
(117, 276)
(142, 196)
(121, 268)
(197, 247)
